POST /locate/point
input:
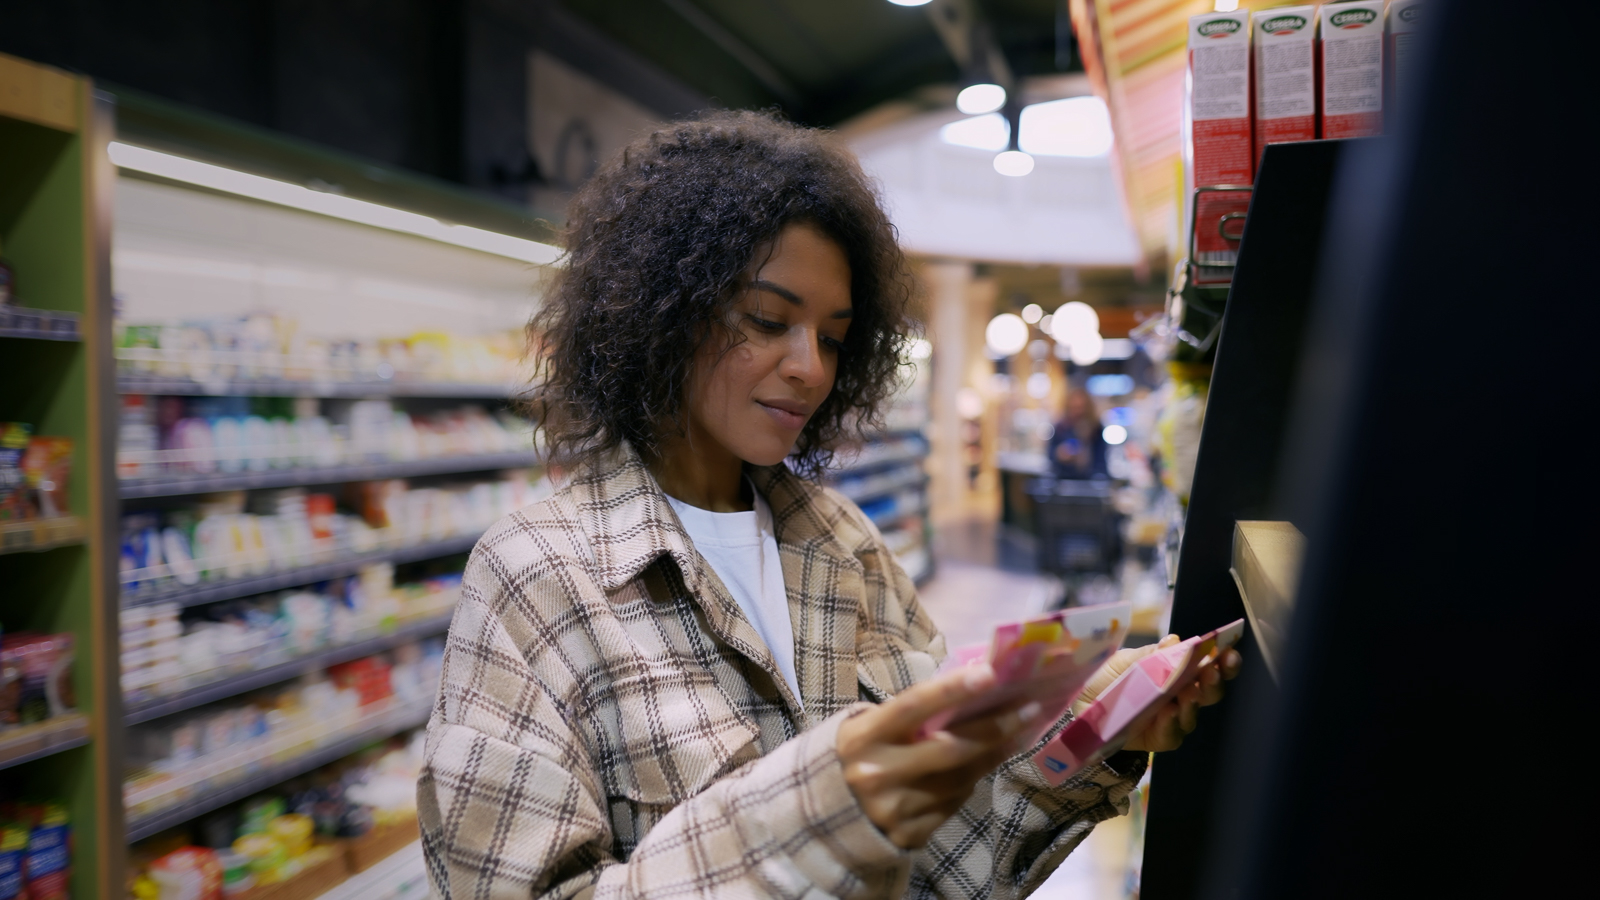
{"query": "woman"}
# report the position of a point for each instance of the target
(693, 671)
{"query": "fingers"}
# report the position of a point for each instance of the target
(1230, 664)
(905, 713)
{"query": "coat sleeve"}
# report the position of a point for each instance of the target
(511, 805)
(1016, 828)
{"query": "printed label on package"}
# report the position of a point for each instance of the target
(1352, 69)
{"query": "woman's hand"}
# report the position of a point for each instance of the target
(908, 786)
(1178, 716)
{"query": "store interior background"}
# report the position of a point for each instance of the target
(491, 112)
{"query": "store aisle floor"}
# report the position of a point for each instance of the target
(979, 582)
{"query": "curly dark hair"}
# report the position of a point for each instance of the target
(658, 243)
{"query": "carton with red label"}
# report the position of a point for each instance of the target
(1350, 86)
(1285, 75)
(1217, 107)
(1405, 20)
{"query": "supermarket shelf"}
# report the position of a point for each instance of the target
(35, 535)
(890, 517)
(145, 711)
(402, 876)
(884, 486)
(349, 564)
(30, 742)
(177, 485)
(141, 827)
(39, 324)
(879, 462)
(158, 384)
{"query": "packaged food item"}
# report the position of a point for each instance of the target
(1285, 75)
(192, 873)
(1217, 107)
(14, 503)
(1350, 90)
(42, 679)
(1405, 20)
(48, 863)
(47, 467)
(13, 848)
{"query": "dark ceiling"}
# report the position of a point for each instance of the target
(819, 60)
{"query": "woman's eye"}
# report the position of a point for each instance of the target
(833, 344)
(766, 325)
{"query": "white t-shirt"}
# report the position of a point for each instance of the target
(742, 548)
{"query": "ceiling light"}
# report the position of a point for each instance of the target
(1032, 313)
(1085, 349)
(990, 132)
(1076, 126)
(910, 2)
(1038, 385)
(1114, 434)
(1074, 320)
(1007, 334)
(981, 98)
(243, 184)
(1014, 163)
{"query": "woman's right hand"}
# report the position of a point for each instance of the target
(909, 785)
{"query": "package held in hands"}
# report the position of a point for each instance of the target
(1285, 75)
(1351, 87)
(1046, 660)
(1218, 99)
(1130, 703)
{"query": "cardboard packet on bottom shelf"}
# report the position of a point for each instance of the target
(1129, 703)
(1047, 660)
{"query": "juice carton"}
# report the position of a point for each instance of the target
(1350, 89)
(1217, 101)
(1285, 75)
(1405, 20)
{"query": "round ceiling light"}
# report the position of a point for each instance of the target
(1007, 334)
(1074, 320)
(978, 99)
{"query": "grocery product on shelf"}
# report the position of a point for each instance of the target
(235, 535)
(35, 851)
(305, 836)
(164, 653)
(1217, 110)
(169, 435)
(1350, 89)
(1404, 25)
(1285, 75)
(34, 472)
(35, 678)
(267, 347)
(202, 752)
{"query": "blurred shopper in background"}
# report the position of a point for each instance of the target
(1076, 448)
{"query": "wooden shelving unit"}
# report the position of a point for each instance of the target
(55, 344)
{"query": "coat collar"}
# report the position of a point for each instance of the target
(630, 526)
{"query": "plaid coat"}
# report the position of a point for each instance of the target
(611, 725)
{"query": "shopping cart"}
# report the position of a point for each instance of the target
(1076, 525)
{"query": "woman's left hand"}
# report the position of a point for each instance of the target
(1178, 716)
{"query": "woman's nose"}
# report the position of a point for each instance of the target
(803, 361)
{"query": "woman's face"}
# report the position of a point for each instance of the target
(792, 316)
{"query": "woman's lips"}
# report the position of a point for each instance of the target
(789, 415)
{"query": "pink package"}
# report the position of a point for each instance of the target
(1047, 660)
(1130, 702)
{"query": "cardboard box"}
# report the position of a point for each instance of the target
(1217, 100)
(1405, 20)
(1285, 75)
(1350, 86)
